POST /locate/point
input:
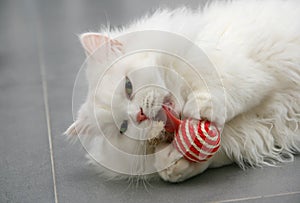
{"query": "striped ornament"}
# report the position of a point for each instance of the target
(197, 140)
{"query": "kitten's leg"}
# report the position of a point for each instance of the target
(244, 85)
(172, 168)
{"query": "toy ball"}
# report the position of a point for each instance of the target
(196, 140)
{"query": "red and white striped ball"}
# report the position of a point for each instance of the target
(197, 140)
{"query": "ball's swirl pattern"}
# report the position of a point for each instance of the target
(197, 140)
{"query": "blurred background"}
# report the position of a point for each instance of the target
(40, 55)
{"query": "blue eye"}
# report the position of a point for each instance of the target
(128, 87)
(124, 126)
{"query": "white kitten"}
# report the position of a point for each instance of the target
(255, 47)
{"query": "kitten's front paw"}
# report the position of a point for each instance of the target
(201, 105)
(177, 172)
(170, 164)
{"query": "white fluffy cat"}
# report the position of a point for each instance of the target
(255, 47)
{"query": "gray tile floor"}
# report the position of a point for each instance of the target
(39, 58)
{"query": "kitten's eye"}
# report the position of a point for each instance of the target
(124, 126)
(128, 87)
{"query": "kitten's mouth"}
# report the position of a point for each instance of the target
(168, 115)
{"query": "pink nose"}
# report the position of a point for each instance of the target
(141, 116)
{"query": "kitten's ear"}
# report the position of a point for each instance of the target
(92, 41)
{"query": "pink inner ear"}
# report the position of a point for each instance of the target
(92, 41)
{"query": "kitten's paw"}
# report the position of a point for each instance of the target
(170, 164)
(201, 105)
(177, 172)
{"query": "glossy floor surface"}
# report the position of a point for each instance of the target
(39, 59)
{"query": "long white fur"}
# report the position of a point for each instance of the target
(255, 46)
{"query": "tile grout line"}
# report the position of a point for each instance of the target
(46, 104)
(257, 197)
(45, 95)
